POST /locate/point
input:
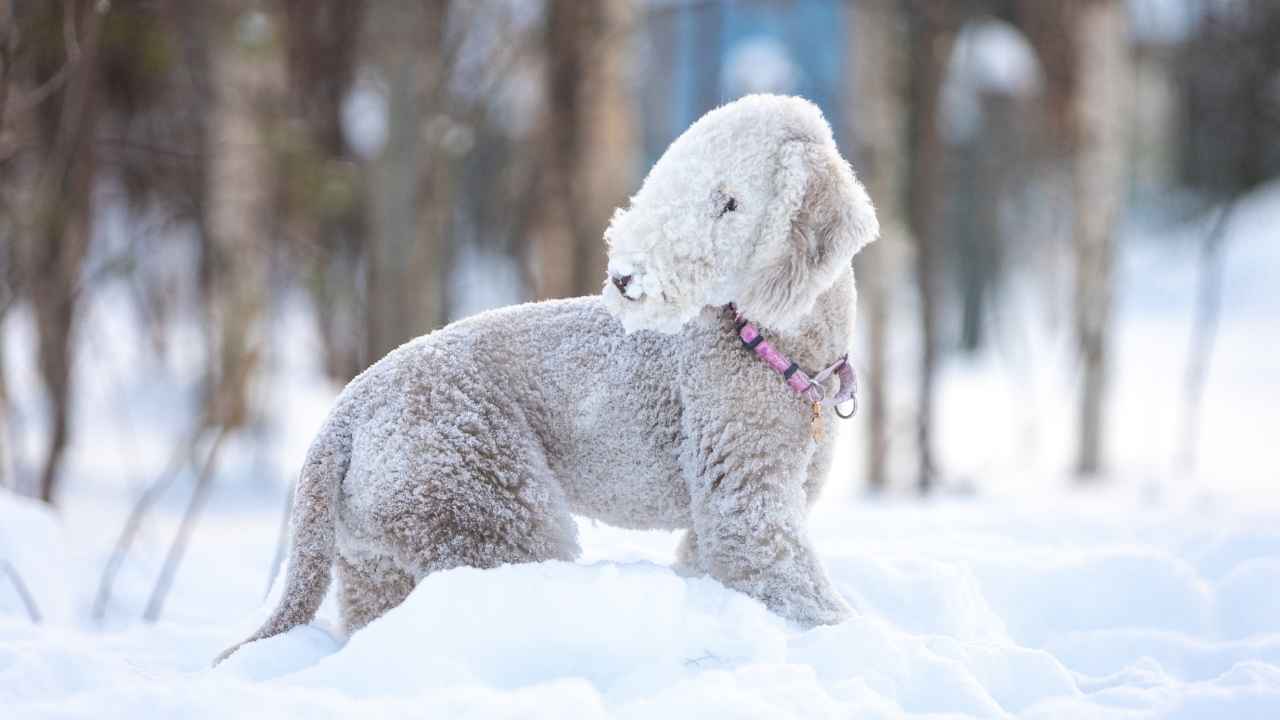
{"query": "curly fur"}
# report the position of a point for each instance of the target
(474, 445)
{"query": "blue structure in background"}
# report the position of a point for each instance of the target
(697, 50)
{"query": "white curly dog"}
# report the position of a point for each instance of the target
(659, 404)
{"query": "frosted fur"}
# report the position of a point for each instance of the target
(474, 445)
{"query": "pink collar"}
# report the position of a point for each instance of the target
(809, 387)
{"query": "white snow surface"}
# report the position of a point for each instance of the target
(1095, 606)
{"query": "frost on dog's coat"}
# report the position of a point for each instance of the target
(474, 444)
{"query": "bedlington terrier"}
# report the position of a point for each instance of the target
(677, 399)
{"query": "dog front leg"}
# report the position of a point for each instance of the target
(749, 534)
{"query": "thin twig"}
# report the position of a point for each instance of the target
(33, 97)
(179, 546)
(29, 100)
(182, 455)
(1204, 329)
(21, 587)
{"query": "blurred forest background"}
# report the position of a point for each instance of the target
(195, 175)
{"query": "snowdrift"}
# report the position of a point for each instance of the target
(964, 609)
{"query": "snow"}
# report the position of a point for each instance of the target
(1098, 606)
(1153, 594)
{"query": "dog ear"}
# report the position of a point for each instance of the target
(820, 216)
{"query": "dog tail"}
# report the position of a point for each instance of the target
(312, 536)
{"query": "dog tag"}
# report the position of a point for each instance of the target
(815, 425)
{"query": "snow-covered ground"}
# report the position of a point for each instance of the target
(1154, 594)
(1100, 606)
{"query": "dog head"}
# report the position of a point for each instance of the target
(752, 205)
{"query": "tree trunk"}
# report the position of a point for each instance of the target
(408, 190)
(876, 106)
(934, 32)
(590, 132)
(61, 229)
(1083, 48)
(245, 75)
(322, 37)
(9, 256)
(1098, 181)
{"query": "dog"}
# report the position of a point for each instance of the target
(694, 393)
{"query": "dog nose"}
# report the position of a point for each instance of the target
(621, 282)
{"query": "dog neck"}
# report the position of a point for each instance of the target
(819, 342)
(811, 387)
(821, 333)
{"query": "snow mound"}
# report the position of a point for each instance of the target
(623, 628)
(963, 610)
(644, 640)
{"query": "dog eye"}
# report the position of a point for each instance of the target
(729, 206)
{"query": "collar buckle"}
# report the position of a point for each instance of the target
(812, 388)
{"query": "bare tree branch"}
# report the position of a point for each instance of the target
(12, 573)
(174, 558)
(1204, 330)
(182, 455)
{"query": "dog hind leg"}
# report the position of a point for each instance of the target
(368, 589)
(480, 504)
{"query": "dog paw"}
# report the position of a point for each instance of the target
(833, 615)
(822, 609)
